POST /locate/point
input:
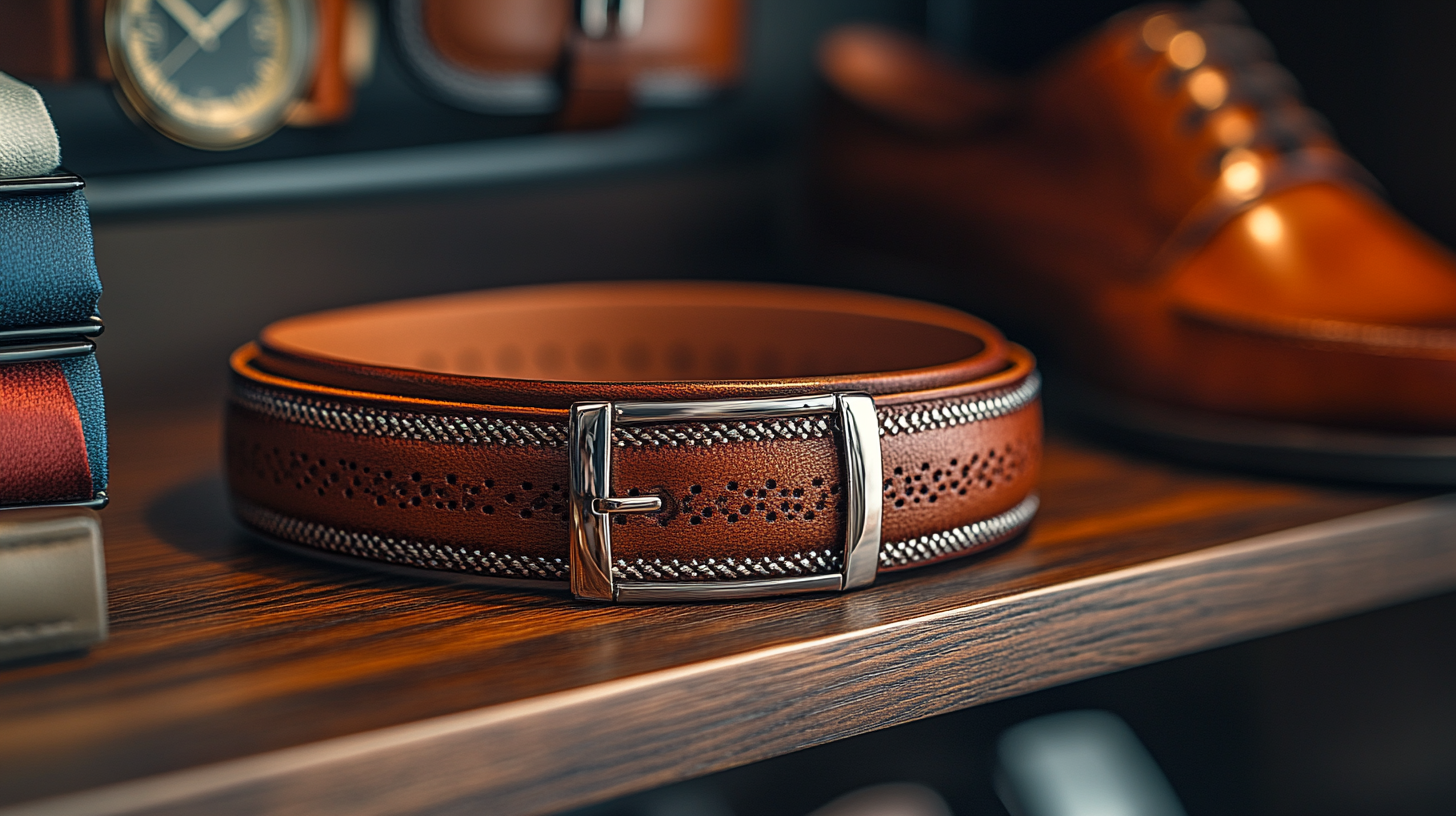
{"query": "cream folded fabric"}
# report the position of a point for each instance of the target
(28, 142)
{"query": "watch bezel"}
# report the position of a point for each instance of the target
(302, 55)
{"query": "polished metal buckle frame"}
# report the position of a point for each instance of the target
(593, 505)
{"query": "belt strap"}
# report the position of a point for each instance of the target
(52, 418)
(442, 434)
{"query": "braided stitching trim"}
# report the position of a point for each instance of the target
(949, 414)
(813, 562)
(484, 430)
(424, 555)
(367, 421)
(960, 539)
(711, 433)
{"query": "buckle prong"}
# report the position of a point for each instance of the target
(592, 503)
(629, 504)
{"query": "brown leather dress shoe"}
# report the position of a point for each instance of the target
(1159, 202)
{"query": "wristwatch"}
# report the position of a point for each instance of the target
(52, 417)
(218, 80)
(211, 74)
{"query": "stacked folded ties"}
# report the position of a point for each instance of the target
(52, 418)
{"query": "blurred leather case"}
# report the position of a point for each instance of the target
(522, 57)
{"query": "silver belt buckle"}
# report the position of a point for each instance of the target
(593, 505)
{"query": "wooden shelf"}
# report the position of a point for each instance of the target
(243, 679)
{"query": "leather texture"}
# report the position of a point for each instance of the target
(42, 445)
(438, 426)
(1159, 201)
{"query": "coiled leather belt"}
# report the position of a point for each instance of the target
(641, 441)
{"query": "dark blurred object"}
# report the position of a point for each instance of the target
(52, 582)
(586, 61)
(1080, 763)
(1158, 202)
(38, 40)
(894, 799)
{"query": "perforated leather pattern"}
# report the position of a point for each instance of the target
(932, 476)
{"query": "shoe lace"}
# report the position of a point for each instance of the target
(1237, 86)
(1269, 139)
(1252, 104)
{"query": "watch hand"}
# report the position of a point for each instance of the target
(178, 56)
(221, 19)
(187, 17)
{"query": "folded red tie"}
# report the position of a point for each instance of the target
(42, 448)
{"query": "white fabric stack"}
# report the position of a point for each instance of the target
(28, 142)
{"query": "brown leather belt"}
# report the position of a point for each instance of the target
(643, 441)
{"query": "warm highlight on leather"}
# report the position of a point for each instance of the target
(330, 97)
(682, 44)
(442, 422)
(498, 36)
(42, 447)
(1157, 200)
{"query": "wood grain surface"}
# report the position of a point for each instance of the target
(243, 679)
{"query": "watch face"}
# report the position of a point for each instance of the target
(214, 74)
